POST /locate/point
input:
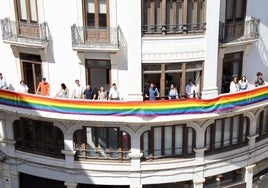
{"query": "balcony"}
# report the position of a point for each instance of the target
(239, 32)
(197, 28)
(95, 39)
(24, 34)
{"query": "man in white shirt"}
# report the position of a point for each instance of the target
(78, 90)
(3, 82)
(114, 93)
(190, 89)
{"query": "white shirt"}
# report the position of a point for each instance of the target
(114, 93)
(78, 90)
(190, 90)
(23, 88)
(3, 84)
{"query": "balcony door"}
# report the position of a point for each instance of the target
(96, 20)
(31, 70)
(232, 66)
(27, 18)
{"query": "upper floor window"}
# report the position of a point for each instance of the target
(235, 10)
(96, 13)
(26, 10)
(168, 141)
(38, 137)
(101, 143)
(173, 16)
(226, 133)
(262, 125)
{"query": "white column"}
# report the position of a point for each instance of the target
(249, 175)
(198, 183)
(211, 50)
(70, 185)
(130, 54)
(135, 156)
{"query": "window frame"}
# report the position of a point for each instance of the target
(183, 25)
(96, 14)
(18, 13)
(211, 137)
(27, 140)
(81, 152)
(151, 143)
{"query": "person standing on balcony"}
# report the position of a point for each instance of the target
(44, 87)
(173, 92)
(3, 82)
(23, 88)
(64, 91)
(259, 81)
(102, 94)
(89, 93)
(152, 92)
(234, 86)
(114, 93)
(78, 90)
(243, 83)
(190, 89)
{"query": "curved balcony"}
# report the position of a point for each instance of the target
(134, 111)
(241, 110)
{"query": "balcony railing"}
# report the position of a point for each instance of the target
(24, 33)
(174, 29)
(239, 31)
(94, 38)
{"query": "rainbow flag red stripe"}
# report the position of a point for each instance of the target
(222, 103)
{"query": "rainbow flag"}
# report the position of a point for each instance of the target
(220, 104)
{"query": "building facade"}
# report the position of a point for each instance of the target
(101, 42)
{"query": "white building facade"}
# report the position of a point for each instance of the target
(133, 43)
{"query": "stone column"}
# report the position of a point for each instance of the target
(211, 50)
(249, 175)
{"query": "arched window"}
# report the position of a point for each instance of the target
(168, 141)
(101, 143)
(262, 125)
(39, 137)
(227, 133)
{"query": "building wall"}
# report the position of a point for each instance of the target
(63, 64)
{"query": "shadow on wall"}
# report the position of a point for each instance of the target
(123, 51)
(262, 50)
(50, 48)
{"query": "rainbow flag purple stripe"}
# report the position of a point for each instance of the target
(222, 103)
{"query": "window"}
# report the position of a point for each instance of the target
(38, 137)
(173, 16)
(26, 11)
(101, 143)
(98, 73)
(27, 17)
(235, 10)
(96, 13)
(169, 141)
(32, 70)
(96, 21)
(262, 125)
(232, 66)
(162, 75)
(227, 133)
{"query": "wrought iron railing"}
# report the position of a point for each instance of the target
(94, 37)
(239, 31)
(174, 29)
(23, 32)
